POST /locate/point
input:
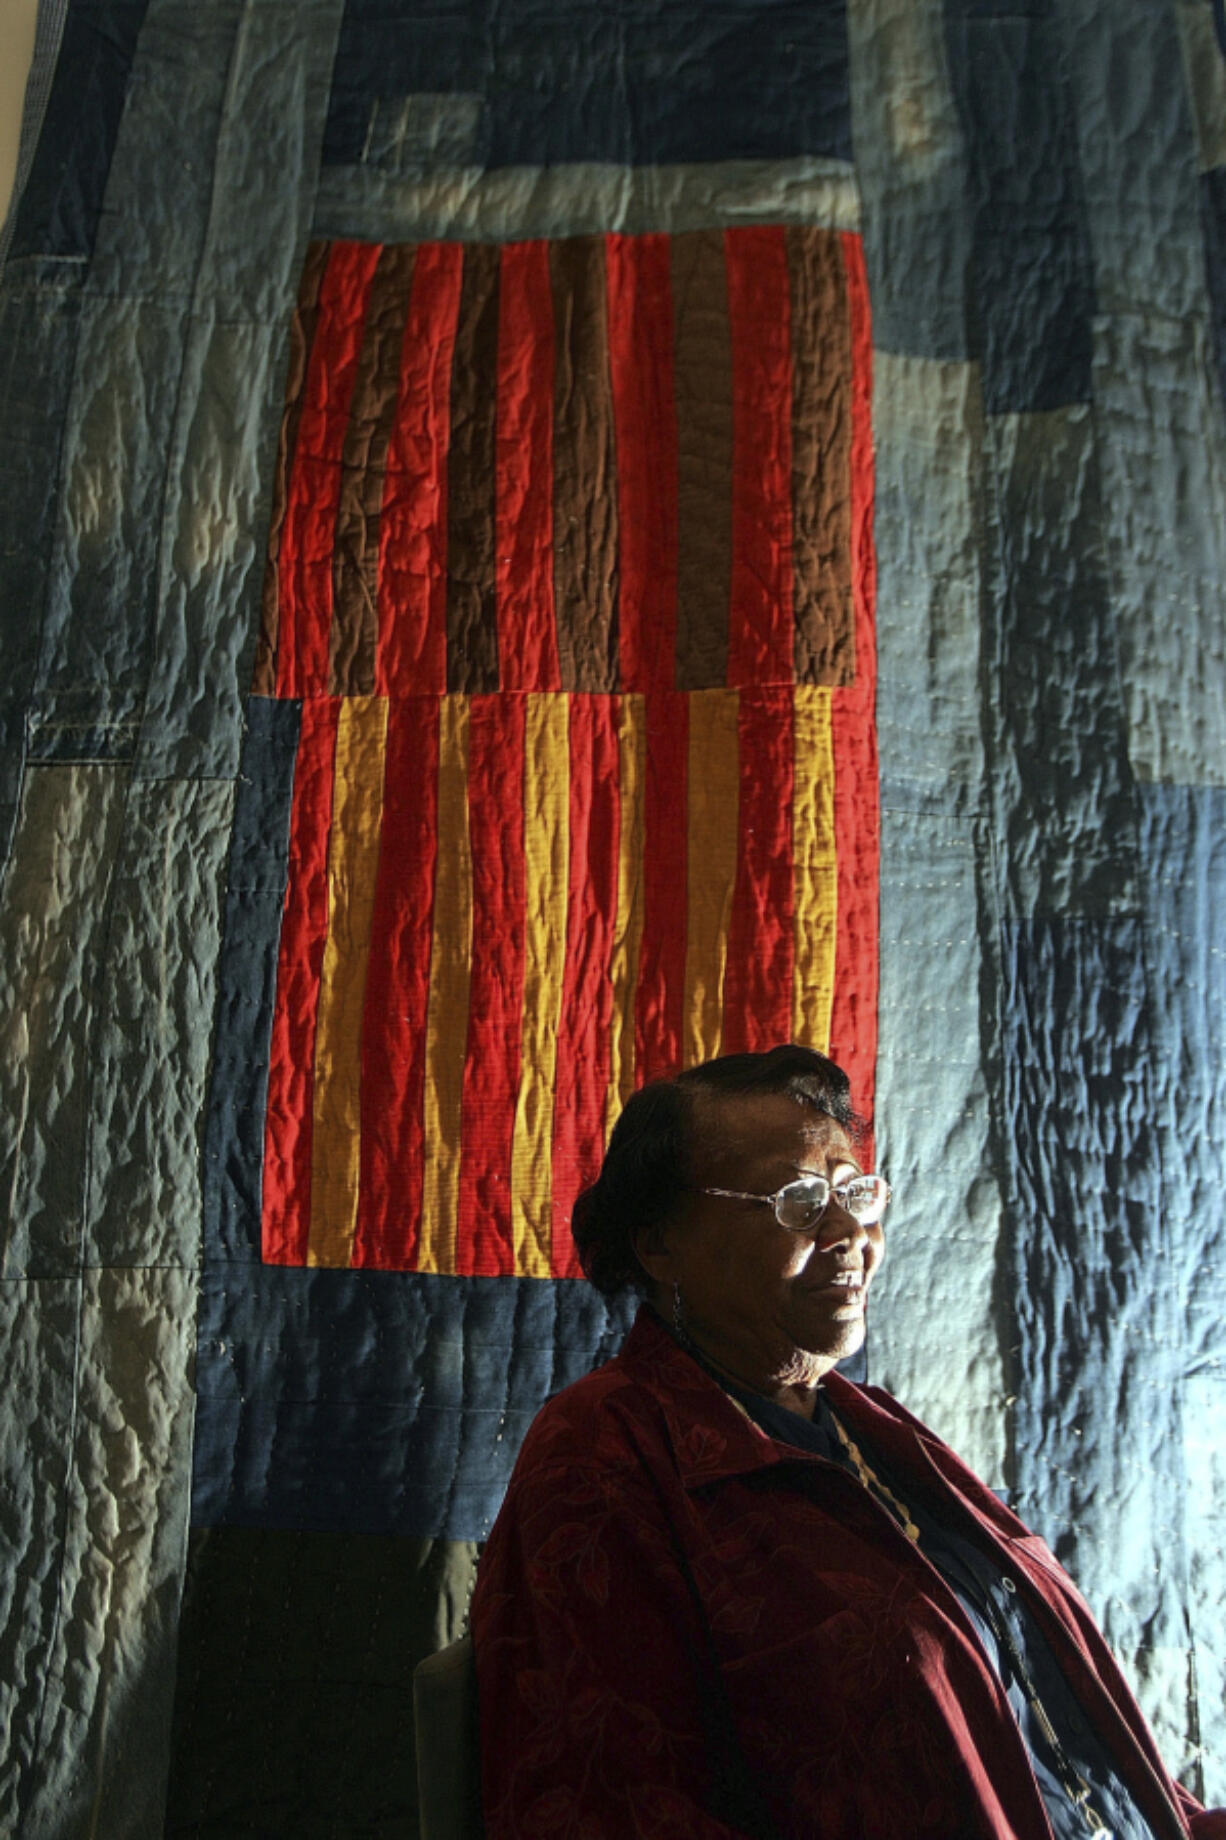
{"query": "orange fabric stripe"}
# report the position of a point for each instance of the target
(628, 930)
(546, 859)
(587, 996)
(353, 863)
(711, 849)
(447, 1003)
(815, 869)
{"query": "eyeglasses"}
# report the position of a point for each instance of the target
(800, 1205)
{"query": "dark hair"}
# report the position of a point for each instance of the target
(647, 1168)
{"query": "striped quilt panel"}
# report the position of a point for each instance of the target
(571, 581)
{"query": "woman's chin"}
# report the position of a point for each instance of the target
(840, 1341)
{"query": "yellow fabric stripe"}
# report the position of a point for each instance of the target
(546, 869)
(447, 1008)
(815, 869)
(628, 933)
(713, 798)
(353, 864)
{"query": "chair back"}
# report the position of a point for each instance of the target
(448, 1745)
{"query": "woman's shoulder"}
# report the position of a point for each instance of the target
(594, 1423)
(652, 1412)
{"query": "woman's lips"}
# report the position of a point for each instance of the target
(851, 1283)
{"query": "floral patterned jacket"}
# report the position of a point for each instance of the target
(651, 1531)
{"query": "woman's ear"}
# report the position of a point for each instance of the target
(652, 1252)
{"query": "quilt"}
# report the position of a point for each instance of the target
(542, 544)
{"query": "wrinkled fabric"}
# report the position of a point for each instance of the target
(1038, 196)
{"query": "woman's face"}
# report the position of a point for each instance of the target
(775, 1308)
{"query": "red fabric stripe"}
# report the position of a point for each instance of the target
(645, 420)
(660, 997)
(758, 979)
(527, 634)
(492, 1056)
(286, 1203)
(759, 312)
(857, 816)
(587, 995)
(397, 990)
(307, 537)
(413, 522)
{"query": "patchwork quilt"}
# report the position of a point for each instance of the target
(539, 544)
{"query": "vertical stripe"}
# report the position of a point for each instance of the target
(711, 861)
(587, 993)
(863, 554)
(448, 1000)
(232, 1155)
(305, 558)
(496, 983)
(301, 339)
(355, 568)
(702, 373)
(413, 523)
(758, 981)
(760, 640)
(353, 862)
(821, 457)
(857, 817)
(285, 1207)
(628, 933)
(815, 869)
(472, 618)
(394, 1027)
(546, 848)
(527, 639)
(645, 421)
(584, 468)
(660, 996)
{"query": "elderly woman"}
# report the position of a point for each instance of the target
(730, 1593)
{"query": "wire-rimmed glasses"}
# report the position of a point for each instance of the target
(800, 1205)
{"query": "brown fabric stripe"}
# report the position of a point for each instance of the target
(702, 361)
(355, 558)
(584, 468)
(824, 646)
(301, 337)
(472, 612)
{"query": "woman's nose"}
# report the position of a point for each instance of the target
(837, 1225)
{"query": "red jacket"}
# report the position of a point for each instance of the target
(863, 1703)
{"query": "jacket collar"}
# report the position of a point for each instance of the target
(712, 1436)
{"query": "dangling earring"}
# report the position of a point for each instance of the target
(679, 1314)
